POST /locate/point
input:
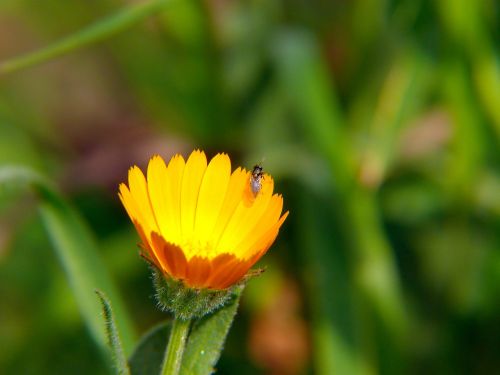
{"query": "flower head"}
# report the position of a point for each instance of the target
(198, 222)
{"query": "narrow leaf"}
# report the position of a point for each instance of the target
(305, 78)
(399, 99)
(207, 338)
(92, 34)
(113, 336)
(77, 253)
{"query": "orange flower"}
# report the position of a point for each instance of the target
(200, 223)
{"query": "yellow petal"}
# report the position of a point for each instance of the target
(261, 245)
(211, 197)
(244, 218)
(131, 208)
(190, 188)
(259, 228)
(127, 201)
(139, 190)
(159, 193)
(238, 183)
(175, 173)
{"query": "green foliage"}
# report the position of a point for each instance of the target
(203, 348)
(207, 337)
(114, 341)
(77, 253)
(147, 357)
(305, 78)
(106, 28)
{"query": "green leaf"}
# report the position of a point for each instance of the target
(147, 357)
(400, 98)
(94, 33)
(305, 78)
(207, 338)
(114, 341)
(330, 296)
(203, 347)
(77, 252)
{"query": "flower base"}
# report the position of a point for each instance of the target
(188, 303)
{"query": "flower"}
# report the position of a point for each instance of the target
(199, 223)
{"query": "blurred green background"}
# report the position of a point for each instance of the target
(380, 121)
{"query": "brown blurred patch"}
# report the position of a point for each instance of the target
(92, 123)
(103, 157)
(101, 131)
(11, 218)
(16, 36)
(426, 135)
(278, 337)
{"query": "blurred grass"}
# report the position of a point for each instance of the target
(77, 254)
(379, 120)
(93, 34)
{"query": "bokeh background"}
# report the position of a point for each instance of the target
(380, 121)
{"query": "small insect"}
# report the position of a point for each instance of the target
(256, 179)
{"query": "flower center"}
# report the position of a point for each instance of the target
(193, 247)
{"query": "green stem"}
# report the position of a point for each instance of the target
(175, 348)
(94, 33)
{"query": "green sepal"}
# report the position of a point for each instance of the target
(185, 302)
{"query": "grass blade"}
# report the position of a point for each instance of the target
(77, 253)
(94, 33)
(305, 78)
